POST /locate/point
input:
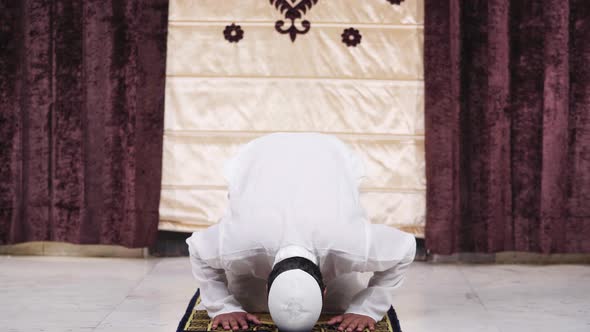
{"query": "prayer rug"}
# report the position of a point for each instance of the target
(198, 321)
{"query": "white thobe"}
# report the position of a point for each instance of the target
(297, 195)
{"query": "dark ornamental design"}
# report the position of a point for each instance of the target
(351, 37)
(233, 33)
(395, 2)
(293, 10)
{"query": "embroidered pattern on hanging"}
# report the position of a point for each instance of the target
(293, 10)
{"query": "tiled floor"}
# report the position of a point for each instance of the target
(60, 294)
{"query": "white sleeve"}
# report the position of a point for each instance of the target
(389, 272)
(357, 167)
(215, 296)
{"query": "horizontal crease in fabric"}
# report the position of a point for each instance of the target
(198, 187)
(173, 133)
(419, 82)
(315, 24)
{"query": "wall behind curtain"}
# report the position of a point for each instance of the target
(508, 126)
(81, 120)
(220, 95)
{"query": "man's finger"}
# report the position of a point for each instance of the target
(215, 323)
(345, 322)
(243, 323)
(353, 324)
(371, 325)
(225, 324)
(234, 324)
(253, 319)
(361, 325)
(335, 319)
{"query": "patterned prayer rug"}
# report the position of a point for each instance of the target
(198, 321)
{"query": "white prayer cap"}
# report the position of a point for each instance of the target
(295, 301)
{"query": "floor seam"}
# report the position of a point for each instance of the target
(474, 292)
(127, 295)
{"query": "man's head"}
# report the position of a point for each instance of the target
(295, 294)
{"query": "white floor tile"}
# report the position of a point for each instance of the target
(102, 294)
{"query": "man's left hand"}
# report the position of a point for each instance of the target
(353, 322)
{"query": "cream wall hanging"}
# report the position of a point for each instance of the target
(238, 69)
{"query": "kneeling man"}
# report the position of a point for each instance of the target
(295, 241)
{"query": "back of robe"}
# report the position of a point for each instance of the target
(294, 189)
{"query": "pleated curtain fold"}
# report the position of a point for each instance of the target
(507, 86)
(81, 120)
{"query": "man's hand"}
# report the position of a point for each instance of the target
(352, 322)
(234, 320)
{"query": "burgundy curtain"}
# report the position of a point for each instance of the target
(508, 126)
(81, 123)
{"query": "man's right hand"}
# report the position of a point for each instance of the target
(234, 320)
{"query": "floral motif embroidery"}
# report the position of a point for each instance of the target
(293, 10)
(233, 33)
(351, 37)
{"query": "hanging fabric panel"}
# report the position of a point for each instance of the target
(356, 74)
